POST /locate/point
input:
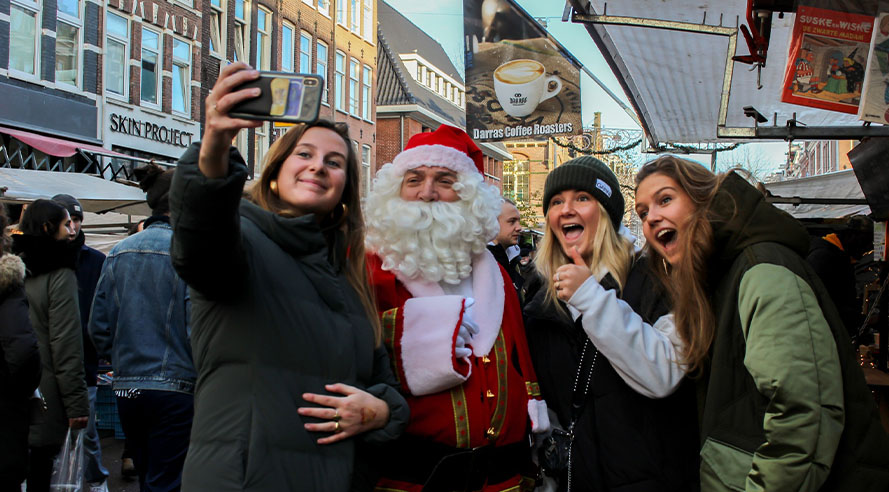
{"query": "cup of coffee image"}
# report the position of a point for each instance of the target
(520, 85)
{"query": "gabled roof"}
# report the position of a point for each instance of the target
(397, 87)
(405, 37)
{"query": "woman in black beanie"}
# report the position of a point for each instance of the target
(51, 288)
(604, 347)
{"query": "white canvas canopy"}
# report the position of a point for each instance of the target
(840, 185)
(680, 77)
(94, 193)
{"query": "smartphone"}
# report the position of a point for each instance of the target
(289, 97)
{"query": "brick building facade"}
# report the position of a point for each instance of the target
(130, 76)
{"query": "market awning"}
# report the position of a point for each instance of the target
(94, 193)
(56, 146)
(673, 59)
(838, 186)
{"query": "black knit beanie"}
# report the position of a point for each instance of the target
(586, 173)
(70, 203)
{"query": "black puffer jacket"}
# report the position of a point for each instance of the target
(273, 317)
(19, 369)
(625, 442)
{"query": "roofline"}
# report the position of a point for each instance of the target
(381, 40)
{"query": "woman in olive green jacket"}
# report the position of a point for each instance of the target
(786, 406)
(51, 289)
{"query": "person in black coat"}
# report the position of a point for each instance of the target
(88, 270)
(506, 240)
(605, 348)
(19, 367)
(833, 258)
(292, 377)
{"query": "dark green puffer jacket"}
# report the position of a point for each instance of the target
(786, 404)
(273, 317)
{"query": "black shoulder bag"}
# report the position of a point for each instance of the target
(555, 455)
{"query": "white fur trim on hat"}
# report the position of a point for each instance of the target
(433, 155)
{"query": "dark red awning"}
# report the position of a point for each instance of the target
(56, 146)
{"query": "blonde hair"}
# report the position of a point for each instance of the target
(608, 249)
(347, 215)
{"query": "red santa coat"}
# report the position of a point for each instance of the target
(485, 401)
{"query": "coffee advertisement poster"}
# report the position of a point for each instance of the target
(521, 84)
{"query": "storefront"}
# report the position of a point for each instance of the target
(147, 134)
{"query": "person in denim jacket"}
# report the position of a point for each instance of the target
(140, 319)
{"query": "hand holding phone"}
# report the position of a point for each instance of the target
(220, 128)
(287, 97)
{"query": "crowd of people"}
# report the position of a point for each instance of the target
(286, 335)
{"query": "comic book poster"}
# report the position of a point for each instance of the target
(875, 94)
(825, 62)
(520, 82)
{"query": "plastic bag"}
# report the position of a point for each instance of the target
(67, 471)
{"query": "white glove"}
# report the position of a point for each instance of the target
(467, 329)
(463, 337)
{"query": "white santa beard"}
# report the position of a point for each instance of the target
(432, 240)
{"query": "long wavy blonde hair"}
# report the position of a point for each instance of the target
(607, 249)
(687, 281)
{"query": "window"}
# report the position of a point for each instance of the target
(366, 176)
(151, 45)
(181, 76)
(68, 42)
(287, 47)
(263, 39)
(309, 2)
(341, 12)
(217, 23)
(305, 52)
(324, 7)
(24, 38)
(429, 76)
(438, 84)
(419, 72)
(356, 16)
(365, 92)
(242, 10)
(339, 88)
(368, 20)
(321, 67)
(117, 67)
(354, 74)
(260, 147)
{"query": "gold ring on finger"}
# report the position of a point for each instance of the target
(336, 415)
(336, 427)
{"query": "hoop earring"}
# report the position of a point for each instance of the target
(273, 185)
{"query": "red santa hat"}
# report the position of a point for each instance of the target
(448, 147)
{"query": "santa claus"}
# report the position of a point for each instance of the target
(451, 321)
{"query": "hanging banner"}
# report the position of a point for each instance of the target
(825, 62)
(875, 94)
(520, 82)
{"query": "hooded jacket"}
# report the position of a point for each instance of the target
(51, 288)
(19, 369)
(786, 405)
(273, 317)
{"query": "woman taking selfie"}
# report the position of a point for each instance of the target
(284, 332)
(51, 288)
(786, 405)
(604, 346)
